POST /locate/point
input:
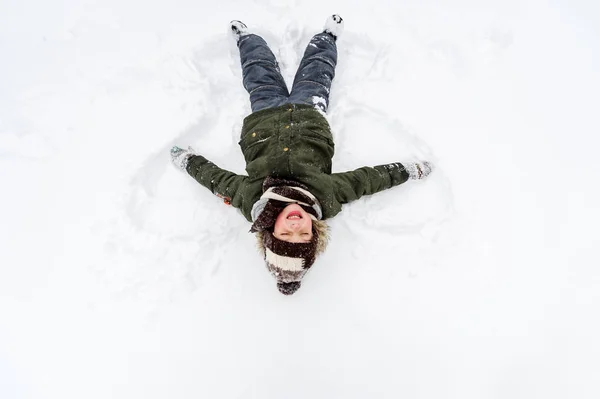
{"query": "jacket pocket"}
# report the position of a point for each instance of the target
(318, 135)
(254, 143)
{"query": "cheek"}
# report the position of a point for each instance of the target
(279, 223)
(308, 220)
(309, 224)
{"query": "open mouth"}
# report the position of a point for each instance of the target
(294, 215)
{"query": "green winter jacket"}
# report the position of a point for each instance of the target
(293, 141)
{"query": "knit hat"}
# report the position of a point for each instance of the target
(286, 261)
(289, 262)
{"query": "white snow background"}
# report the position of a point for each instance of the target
(121, 277)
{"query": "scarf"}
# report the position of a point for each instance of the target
(277, 194)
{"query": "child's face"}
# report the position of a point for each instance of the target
(293, 224)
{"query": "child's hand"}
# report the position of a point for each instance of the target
(180, 157)
(418, 170)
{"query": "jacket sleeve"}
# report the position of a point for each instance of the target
(221, 182)
(352, 185)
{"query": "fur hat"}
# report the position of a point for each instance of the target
(288, 262)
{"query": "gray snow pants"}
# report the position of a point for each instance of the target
(263, 80)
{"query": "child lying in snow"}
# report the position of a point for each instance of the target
(288, 146)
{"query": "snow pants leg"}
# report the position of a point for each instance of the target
(261, 75)
(315, 73)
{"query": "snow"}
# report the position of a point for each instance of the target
(121, 277)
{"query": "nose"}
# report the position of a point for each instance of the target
(294, 224)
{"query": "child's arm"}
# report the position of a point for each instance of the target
(352, 185)
(221, 182)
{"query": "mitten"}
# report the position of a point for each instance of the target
(418, 170)
(181, 157)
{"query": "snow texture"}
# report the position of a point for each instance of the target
(121, 277)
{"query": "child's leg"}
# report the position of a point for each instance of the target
(316, 71)
(260, 71)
